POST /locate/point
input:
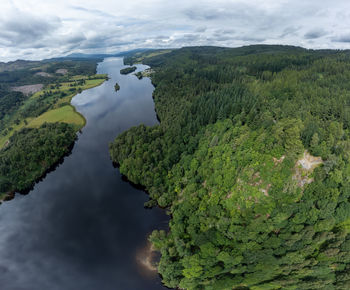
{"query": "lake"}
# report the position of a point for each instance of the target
(83, 226)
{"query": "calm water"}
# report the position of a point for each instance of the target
(81, 227)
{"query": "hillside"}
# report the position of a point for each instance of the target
(38, 125)
(251, 158)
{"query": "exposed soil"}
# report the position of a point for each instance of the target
(265, 191)
(62, 71)
(147, 72)
(304, 167)
(28, 89)
(43, 74)
(309, 162)
(278, 161)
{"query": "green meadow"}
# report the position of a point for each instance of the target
(65, 114)
(53, 105)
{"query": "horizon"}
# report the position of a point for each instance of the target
(115, 54)
(34, 30)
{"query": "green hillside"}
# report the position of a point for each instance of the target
(252, 159)
(37, 128)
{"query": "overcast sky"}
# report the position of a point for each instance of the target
(36, 29)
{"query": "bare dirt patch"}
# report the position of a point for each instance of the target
(147, 72)
(28, 89)
(256, 179)
(309, 162)
(43, 74)
(265, 191)
(62, 71)
(278, 161)
(304, 167)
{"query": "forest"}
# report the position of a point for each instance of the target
(252, 161)
(127, 70)
(31, 152)
(38, 129)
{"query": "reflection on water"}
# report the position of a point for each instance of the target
(147, 259)
(81, 227)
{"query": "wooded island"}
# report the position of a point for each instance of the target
(128, 70)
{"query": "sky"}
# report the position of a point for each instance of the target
(38, 29)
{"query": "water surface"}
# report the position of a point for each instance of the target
(81, 227)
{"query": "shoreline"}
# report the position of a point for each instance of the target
(7, 196)
(70, 185)
(147, 259)
(74, 108)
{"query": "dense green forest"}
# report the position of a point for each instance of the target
(31, 139)
(9, 101)
(31, 152)
(127, 70)
(252, 160)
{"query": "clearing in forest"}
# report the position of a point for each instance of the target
(65, 114)
(28, 89)
(304, 167)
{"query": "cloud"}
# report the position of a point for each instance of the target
(315, 33)
(78, 38)
(251, 38)
(92, 11)
(201, 29)
(290, 31)
(342, 38)
(42, 29)
(24, 29)
(209, 14)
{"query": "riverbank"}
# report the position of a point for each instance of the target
(67, 113)
(78, 218)
(148, 259)
(55, 97)
(62, 112)
(3, 196)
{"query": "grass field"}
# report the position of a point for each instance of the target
(79, 77)
(66, 114)
(59, 112)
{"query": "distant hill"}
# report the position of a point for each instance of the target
(103, 55)
(83, 55)
(37, 65)
(18, 64)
